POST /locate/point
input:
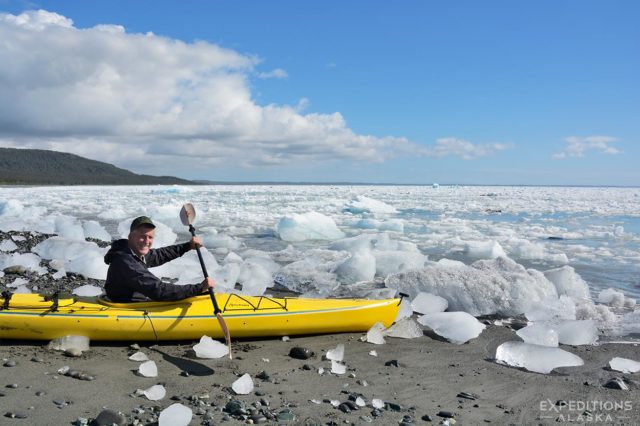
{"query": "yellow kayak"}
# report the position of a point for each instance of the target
(35, 317)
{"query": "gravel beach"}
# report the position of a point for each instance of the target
(404, 381)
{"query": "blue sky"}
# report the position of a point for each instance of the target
(491, 92)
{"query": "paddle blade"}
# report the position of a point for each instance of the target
(187, 214)
(225, 330)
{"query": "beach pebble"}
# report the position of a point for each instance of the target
(12, 386)
(235, 408)
(10, 363)
(37, 359)
(286, 416)
(393, 406)
(392, 363)
(16, 415)
(16, 270)
(466, 395)
(446, 414)
(616, 383)
(108, 418)
(426, 418)
(301, 353)
(258, 418)
(366, 419)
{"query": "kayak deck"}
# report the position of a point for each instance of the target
(35, 317)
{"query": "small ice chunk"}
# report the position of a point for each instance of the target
(540, 359)
(64, 370)
(175, 415)
(61, 273)
(427, 303)
(373, 353)
(70, 342)
(334, 402)
(360, 402)
(7, 245)
(155, 392)
(338, 367)
(321, 371)
(139, 356)
(374, 335)
(539, 334)
(405, 310)
(336, 354)
(285, 338)
(377, 403)
(361, 266)
(551, 309)
(624, 365)
(23, 289)
(148, 369)
(611, 297)
(209, 348)
(18, 282)
(457, 327)
(484, 250)
(244, 385)
(315, 401)
(406, 328)
(308, 226)
(577, 332)
(87, 290)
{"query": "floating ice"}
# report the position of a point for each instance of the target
(256, 275)
(7, 245)
(308, 226)
(484, 250)
(457, 327)
(243, 386)
(338, 367)
(70, 342)
(539, 334)
(232, 257)
(498, 286)
(175, 415)
(611, 297)
(87, 290)
(155, 392)
(391, 261)
(362, 204)
(577, 332)
(406, 328)
(139, 356)
(336, 354)
(361, 266)
(393, 225)
(539, 359)
(209, 348)
(375, 335)
(221, 241)
(568, 283)
(148, 369)
(68, 228)
(624, 365)
(427, 303)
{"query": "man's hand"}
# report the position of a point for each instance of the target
(208, 283)
(195, 242)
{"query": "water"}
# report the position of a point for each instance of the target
(598, 229)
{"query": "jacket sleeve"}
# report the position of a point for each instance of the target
(160, 256)
(141, 280)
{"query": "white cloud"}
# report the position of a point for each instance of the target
(276, 73)
(576, 146)
(155, 104)
(463, 149)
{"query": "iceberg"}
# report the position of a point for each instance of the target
(539, 359)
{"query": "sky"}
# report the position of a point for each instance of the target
(410, 92)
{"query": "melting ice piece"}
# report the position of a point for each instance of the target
(624, 365)
(155, 392)
(209, 348)
(7, 245)
(578, 332)
(406, 328)
(457, 327)
(377, 403)
(77, 343)
(360, 402)
(148, 369)
(87, 290)
(551, 309)
(244, 385)
(373, 353)
(427, 303)
(336, 354)
(308, 226)
(405, 310)
(338, 367)
(374, 335)
(611, 297)
(139, 356)
(540, 359)
(539, 334)
(175, 415)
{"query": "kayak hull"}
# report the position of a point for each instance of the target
(31, 317)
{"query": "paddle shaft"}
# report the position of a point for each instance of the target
(216, 309)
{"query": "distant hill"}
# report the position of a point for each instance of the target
(41, 167)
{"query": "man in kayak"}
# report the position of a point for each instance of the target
(128, 277)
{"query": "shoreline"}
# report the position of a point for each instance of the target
(433, 378)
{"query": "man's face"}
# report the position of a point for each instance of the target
(140, 240)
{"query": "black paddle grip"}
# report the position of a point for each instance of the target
(216, 309)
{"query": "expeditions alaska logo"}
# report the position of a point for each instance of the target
(585, 411)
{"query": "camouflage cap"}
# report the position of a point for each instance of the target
(141, 221)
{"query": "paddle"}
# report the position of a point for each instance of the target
(188, 215)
